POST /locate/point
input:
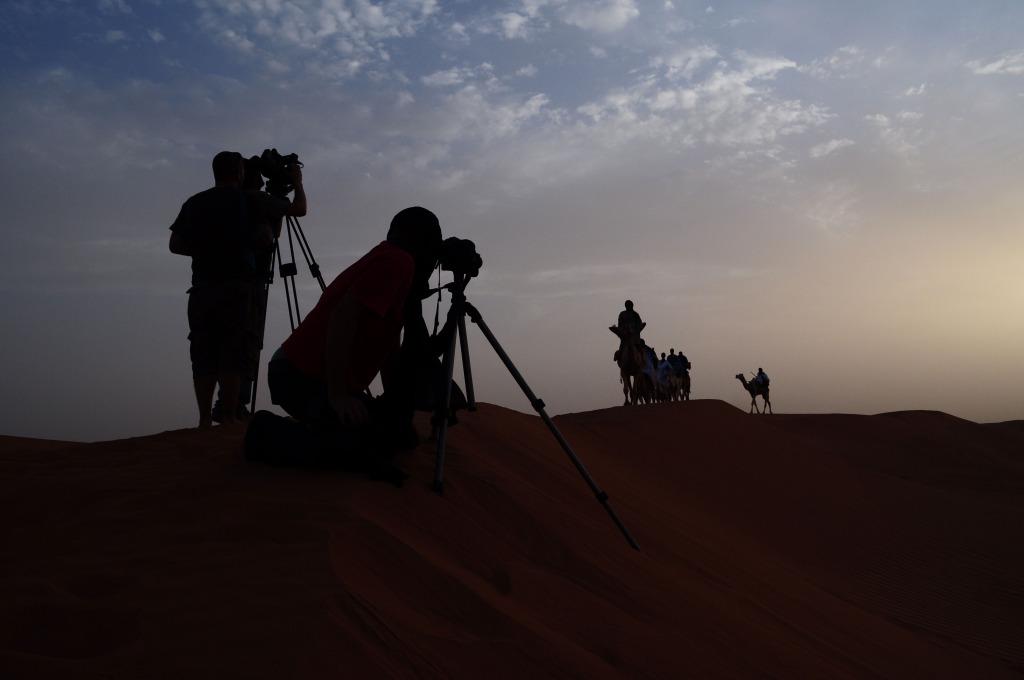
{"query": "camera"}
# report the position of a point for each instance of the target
(459, 256)
(277, 169)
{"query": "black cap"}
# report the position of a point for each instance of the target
(225, 164)
(417, 230)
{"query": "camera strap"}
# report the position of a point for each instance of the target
(437, 309)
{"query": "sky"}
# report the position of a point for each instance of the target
(828, 190)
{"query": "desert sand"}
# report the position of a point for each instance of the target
(826, 546)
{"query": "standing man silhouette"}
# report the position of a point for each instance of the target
(215, 229)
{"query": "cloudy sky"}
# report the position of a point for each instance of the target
(830, 190)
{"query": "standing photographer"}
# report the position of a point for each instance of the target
(267, 212)
(224, 230)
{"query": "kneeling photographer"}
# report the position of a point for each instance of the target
(321, 372)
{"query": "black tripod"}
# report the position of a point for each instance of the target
(288, 270)
(460, 307)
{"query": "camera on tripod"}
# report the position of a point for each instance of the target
(277, 169)
(459, 256)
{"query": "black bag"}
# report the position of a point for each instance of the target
(281, 441)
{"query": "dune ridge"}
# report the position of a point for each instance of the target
(790, 545)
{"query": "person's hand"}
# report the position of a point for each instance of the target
(295, 173)
(350, 410)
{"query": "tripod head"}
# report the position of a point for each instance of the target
(456, 288)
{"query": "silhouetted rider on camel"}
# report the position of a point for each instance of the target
(628, 328)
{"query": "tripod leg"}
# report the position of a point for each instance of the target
(538, 406)
(441, 415)
(307, 251)
(467, 369)
(264, 301)
(295, 288)
(284, 280)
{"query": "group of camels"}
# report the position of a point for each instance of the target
(643, 383)
(645, 380)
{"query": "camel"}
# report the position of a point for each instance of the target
(756, 391)
(649, 387)
(631, 364)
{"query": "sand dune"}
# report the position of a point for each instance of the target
(792, 546)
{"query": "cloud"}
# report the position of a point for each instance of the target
(915, 91)
(897, 133)
(472, 114)
(112, 6)
(156, 36)
(842, 63)
(600, 16)
(527, 71)
(337, 39)
(1011, 63)
(513, 25)
(459, 75)
(738, 21)
(832, 208)
(114, 36)
(826, 148)
(685, 62)
(238, 40)
(532, 7)
(446, 78)
(458, 31)
(732, 106)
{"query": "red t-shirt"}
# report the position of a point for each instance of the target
(380, 282)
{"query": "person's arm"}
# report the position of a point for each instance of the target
(298, 206)
(262, 211)
(178, 244)
(264, 237)
(342, 390)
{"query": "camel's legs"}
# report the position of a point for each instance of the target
(753, 405)
(767, 406)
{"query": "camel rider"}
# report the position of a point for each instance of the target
(630, 324)
(761, 378)
(676, 361)
(628, 328)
